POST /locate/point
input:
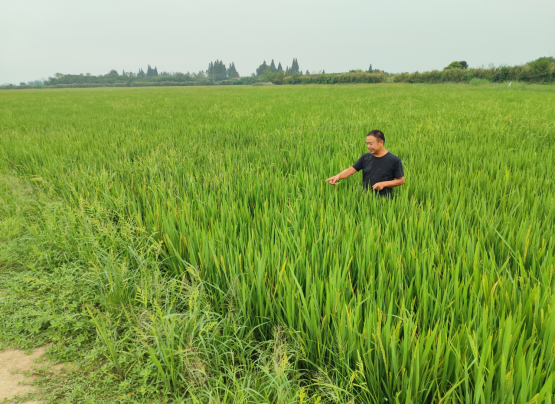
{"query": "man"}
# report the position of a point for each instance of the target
(381, 170)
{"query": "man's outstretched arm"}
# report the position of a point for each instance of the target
(343, 175)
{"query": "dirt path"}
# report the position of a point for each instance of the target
(12, 365)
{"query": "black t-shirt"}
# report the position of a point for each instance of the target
(374, 170)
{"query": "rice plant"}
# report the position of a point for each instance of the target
(444, 294)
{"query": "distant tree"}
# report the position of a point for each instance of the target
(279, 77)
(454, 65)
(463, 63)
(260, 70)
(123, 72)
(217, 70)
(273, 68)
(540, 66)
(220, 72)
(201, 74)
(370, 69)
(151, 72)
(279, 68)
(268, 76)
(232, 71)
(323, 72)
(113, 72)
(295, 67)
(307, 72)
(141, 73)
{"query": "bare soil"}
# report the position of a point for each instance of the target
(17, 372)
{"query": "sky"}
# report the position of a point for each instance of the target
(39, 38)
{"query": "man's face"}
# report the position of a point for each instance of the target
(373, 145)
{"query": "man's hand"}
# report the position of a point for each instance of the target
(343, 175)
(333, 180)
(391, 183)
(379, 186)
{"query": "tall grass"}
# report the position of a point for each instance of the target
(443, 295)
(158, 339)
(478, 82)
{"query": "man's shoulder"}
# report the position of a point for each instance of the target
(366, 157)
(392, 156)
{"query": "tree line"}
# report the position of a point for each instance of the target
(271, 68)
(541, 70)
(217, 72)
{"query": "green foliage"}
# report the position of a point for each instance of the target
(88, 280)
(262, 69)
(443, 295)
(29, 270)
(272, 67)
(151, 72)
(275, 78)
(217, 71)
(541, 67)
(540, 71)
(454, 65)
(232, 71)
(336, 78)
(543, 73)
(294, 68)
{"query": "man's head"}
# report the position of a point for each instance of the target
(375, 141)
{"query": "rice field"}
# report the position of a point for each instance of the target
(444, 294)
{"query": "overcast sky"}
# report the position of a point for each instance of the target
(41, 37)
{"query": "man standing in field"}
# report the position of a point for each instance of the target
(381, 170)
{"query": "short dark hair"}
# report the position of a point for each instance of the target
(377, 134)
